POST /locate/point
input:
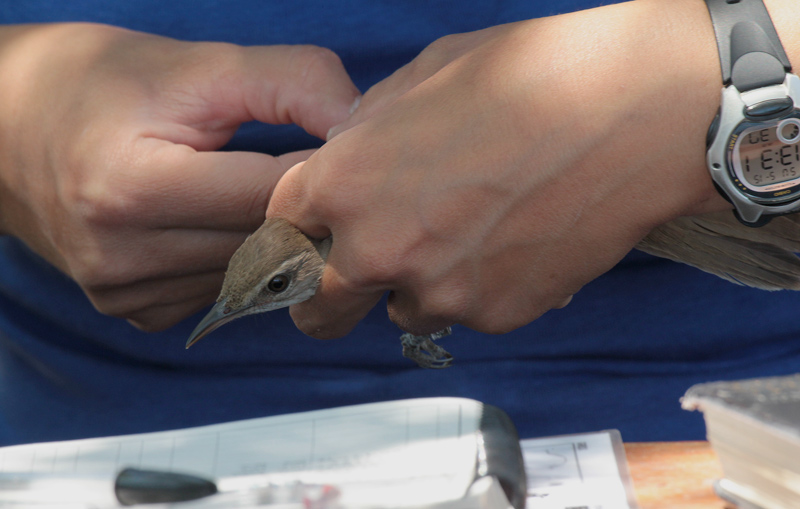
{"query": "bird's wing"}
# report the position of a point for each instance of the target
(717, 243)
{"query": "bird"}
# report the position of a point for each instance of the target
(720, 244)
(278, 266)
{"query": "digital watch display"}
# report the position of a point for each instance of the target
(754, 142)
(767, 159)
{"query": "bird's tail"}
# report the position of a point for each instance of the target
(717, 243)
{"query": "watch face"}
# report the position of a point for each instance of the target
(765, 158)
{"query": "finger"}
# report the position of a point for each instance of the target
(162, 317)
(564, 303)
(166, 254)
(335, 309)
(290, 159)
(206, 190)
(303, 85)
(435, 57)
(137, 300)
(508, 312)
(427, 308)
(311, 87)
(337, 306)
(290, 201)
(416, 325)
(378, 97)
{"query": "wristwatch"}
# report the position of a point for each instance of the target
(753, 151)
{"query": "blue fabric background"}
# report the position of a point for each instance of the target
(620, 356)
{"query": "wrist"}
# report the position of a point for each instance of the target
(654, 67)
(683, 55)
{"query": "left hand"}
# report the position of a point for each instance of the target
(108, 161)
(491, 178)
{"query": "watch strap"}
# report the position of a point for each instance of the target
(750, 52)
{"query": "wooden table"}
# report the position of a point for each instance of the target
(674, 475)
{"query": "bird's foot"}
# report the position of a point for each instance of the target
(423, 350)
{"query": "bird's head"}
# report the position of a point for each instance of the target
(277, 266)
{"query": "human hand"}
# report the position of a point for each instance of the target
(107, 167)
(491, 178)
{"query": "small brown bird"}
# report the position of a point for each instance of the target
(278, 266)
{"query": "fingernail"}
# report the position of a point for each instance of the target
(355, 105)
(333, 131)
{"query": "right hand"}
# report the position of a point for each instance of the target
(488, 180)
(107, 162)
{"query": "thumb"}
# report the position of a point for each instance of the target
(227, 85)
(303, 85)
(337, 306)
(291, 201)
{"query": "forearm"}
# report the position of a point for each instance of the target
(654, 66)
(785, 16)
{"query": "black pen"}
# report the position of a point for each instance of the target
(128, 487)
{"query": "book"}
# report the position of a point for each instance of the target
(429, 452)
(754, 428)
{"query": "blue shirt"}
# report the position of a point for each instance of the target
(619, 356)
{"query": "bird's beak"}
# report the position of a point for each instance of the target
(219, 315)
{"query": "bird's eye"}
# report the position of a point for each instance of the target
(278, 283)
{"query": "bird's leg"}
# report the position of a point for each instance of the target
(423, 350)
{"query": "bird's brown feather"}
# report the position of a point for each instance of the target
(719, 244)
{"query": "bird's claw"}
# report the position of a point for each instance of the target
(423, 350)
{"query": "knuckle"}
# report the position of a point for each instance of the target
(105, 201)
(106, 182)
(317, 64)
(93, 268)
(439, 53)
(445, 46)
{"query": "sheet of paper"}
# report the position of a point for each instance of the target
(411, 452)
(586, 471)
